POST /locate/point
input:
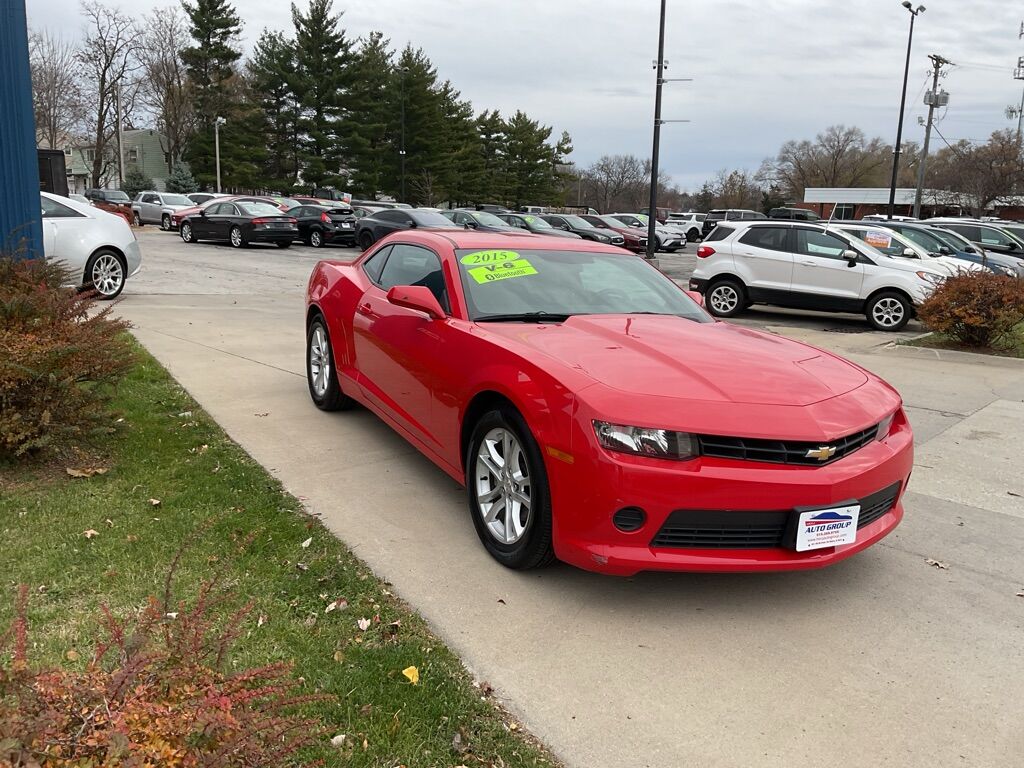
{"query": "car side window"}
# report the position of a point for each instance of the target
(374, 265)
(300, 212)
(54, 210)
(555, 221)
(398, 217)
(970, 232)
(990, 236)
(214, 209)
(413, 265)
(770, 238)
(810, 242)
(229, 209)
(151, 199)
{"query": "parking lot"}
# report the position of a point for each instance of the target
(909, 654)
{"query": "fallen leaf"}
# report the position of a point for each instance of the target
(338, 740)
(310, 620)
(457, 744)
(363, 624)
(109, 522)
(261, 620)
(339, 656)
(306, 543)
(302, 566)
(171, 615)
(85, 471)
(90, 534)
(513, 726)
(131, 538)
(937, 564)
(72, 655)
(339, 605)
(366, 710)
(155, 502)
(261, 415)
(413, 674)
(185, 415)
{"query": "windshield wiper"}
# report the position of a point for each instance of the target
(525, 317)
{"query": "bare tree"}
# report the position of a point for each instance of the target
(109, 55)
(56, 89)
(976, 175)
(166, 91)
(616, 181)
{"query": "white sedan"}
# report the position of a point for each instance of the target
(98, 248)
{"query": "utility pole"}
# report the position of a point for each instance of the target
(934, 98)
(1018, 74)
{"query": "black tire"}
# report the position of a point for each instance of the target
(365, 240)
(283, 246)
(185, 231)
(100, 263)
(533, 548)
(331, 398)
(165, 222)
(136, 219)
(725, 297)
(316, 239)
(236, 238)
(693, 236)
(888, 311)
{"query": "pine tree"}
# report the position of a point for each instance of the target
(181, 180)
(135, 181)
(214, 26)
(531, 164)
(424, 158)
(271, 76)
(373, 100)
(461, 175)
(322, 58)
(491, 129)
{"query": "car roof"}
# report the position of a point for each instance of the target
(470, 238)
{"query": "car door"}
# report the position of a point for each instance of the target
(151, 209)
(202, 222)
(220, 224)
(303, 216)
(396, 349)
(64, 232)
(764, 258)
(821, 276)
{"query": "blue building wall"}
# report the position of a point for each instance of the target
(21, 228)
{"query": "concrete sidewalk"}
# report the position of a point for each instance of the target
(880, 660)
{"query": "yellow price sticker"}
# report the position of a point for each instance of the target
(492, 272)
(488, 257)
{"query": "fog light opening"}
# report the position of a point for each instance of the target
(629, 519)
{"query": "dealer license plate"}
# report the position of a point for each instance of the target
(833, 527)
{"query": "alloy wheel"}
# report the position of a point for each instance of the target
(186, 233)
(316, 239)
(503, 498)
(724, 299)
(319, 361)
(236, 237)
(136, 220)
(165, 222)
(888, 312)
(107, 274)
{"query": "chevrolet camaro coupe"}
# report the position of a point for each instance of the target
(598, 415)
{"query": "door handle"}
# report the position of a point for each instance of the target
(366, 310)
(809, 263)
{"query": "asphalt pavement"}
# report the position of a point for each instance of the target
(909, 654)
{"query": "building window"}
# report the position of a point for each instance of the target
(167, 158)
(844, 211)
(67, 151)
(90, 155)
(133, 155)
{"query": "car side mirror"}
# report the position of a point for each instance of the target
(851, 257)
(202, 212)
(1011, 247)
(697, 297)
(416, 297)
(910, 253)
(470, 225)
(944, 250)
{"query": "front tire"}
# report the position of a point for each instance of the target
(365, 240)
(237, 241)
(186, 233)
(888, 311)
(693, 236)
(321, 374)
(105, 273)
(725, 298)
(136, 220)
(508, 493)
(165, 222)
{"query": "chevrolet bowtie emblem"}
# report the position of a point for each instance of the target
(822, 453)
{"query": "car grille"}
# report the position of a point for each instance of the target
(783, 451)
(702, 529)
(618, 240)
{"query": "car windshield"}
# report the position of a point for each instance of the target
(431, 219)
(116, 197)
(611, 221)
(259, 209)
(880, 239)
(1017, 232)
(926, 240)
(536, 222)
(288, 202)
(716, 216)
(954, 240)
(534, 285)
(577, 223)
(489, 219)
(176, 200)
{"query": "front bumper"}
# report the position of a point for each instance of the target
(587, 493)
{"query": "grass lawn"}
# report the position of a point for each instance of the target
(1013, 346)
(172, 470)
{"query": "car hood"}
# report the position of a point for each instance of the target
(555, 233)
(176, 208)
(669, 356)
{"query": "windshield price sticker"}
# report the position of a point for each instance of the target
(489, 273)
(489, 257)
(877, 239)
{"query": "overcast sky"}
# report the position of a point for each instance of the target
(764, 70)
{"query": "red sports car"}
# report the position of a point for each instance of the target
(598, 415)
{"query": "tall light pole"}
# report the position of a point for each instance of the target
(652, 209)
(903, 103)
(401, 146)
(933, 99)
(217, 123)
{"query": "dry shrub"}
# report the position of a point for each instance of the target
(975, 309)
(59, 358)
(153, 694)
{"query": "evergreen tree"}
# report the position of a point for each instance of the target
(374, 99)
(424, 158)
(531, 164)
(271, 77)
(181, 180)
(135, 181)
(491, 129)
(322, 57)
(462, 171)
(214, 27)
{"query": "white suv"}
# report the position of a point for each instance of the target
(808, 266)
(691, 223)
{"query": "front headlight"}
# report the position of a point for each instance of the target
(928, 277)
(884, 426)
(645, 441)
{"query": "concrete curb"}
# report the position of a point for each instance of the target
(949, 355)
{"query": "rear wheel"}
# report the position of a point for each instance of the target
(725, 298)
(365, 240)
(507, 487)
(888, 311)
(136, 219)
(105, 273)
(693, 236)
(186, 233)
(321, 375)
(237, 241)
(316, 239)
